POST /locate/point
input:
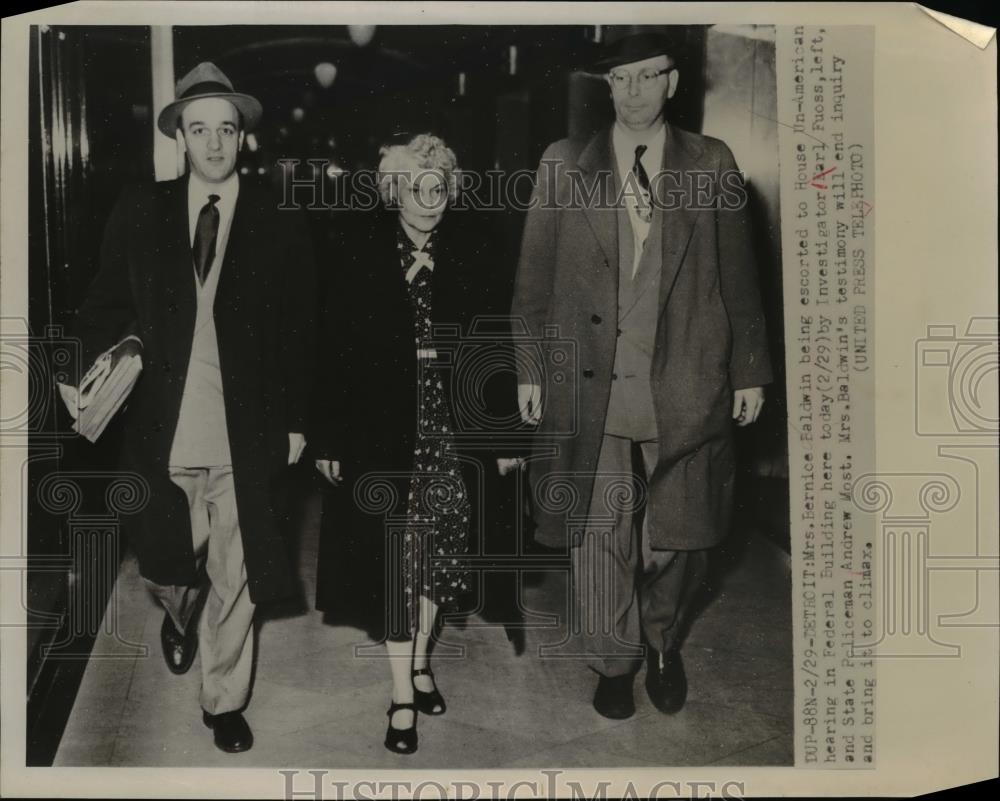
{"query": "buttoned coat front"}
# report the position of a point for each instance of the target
(710, 334)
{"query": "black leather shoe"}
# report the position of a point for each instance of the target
(401, 741)
(430, 703)
(665, 680)
(178, 649)
(232, 734)
(613, 697)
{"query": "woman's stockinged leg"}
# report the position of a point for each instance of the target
(422, 639)
(429, 701)
(400, 656)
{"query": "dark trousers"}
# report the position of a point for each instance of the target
(624, 591)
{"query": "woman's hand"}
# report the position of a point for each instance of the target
(330, 471)
(747, 404)
(506, 466)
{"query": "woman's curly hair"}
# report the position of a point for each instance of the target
(427, 152)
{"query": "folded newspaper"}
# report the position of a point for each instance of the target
(101, 393)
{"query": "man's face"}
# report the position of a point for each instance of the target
(212, 137)
(639, 91)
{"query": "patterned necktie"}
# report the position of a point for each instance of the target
(644, 206)
(205, 233)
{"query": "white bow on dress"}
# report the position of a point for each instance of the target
(420, 259)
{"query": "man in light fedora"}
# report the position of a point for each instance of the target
(214, 286)
(638, 249)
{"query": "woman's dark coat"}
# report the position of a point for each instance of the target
(365, 409)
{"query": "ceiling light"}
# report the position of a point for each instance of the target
(361, 34)
(325, 74)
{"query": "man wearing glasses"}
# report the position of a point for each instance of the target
(637, 249)
(214, 287)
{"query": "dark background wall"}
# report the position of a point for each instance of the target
(89, 111)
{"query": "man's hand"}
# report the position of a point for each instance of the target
(506, 466)
(296, 444)
(130, 346)
(529, 402)
(329, 470)
(747, 404)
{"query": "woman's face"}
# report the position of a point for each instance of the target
(423, 198)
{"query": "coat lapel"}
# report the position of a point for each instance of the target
(600, 185)
(677, 212)
(176, 269)
(236, 259)
(388, 279)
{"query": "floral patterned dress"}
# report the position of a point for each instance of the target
(438, 507)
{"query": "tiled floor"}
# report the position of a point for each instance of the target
(315, 704)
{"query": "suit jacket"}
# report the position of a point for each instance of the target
(265, 318)
(710, 335)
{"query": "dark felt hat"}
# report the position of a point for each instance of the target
(632, 48)
(207, 80)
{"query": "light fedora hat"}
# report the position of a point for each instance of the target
(207, 80)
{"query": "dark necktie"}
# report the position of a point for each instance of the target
(643, 208)
(205, 233)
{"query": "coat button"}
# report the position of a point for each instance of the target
(166, 366)
(588, 373)
(595, 319)
(172, 308)
(614, 376)
(619, 332)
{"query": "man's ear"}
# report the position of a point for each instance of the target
(242, 139)
(672, 78)
(179, 136)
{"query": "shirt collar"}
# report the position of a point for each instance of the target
(628, 140)
(199, 190)
(406, 245)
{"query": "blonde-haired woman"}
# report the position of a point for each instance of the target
(397, 525)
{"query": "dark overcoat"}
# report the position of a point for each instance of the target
(265, 324)
(710, 334)
(366, 402)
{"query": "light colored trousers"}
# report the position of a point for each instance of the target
(622, 588)
(225, 628)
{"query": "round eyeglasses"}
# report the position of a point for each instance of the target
(622, 80)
